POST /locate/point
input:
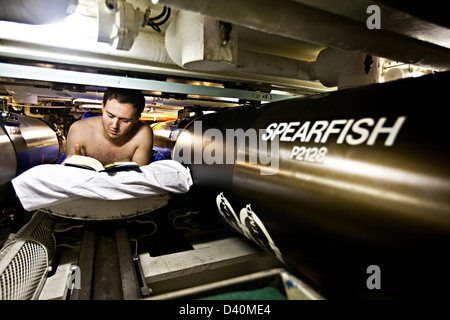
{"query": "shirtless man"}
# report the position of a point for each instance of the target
(117, 135)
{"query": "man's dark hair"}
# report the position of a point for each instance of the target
(133, 97)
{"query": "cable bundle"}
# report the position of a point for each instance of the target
(154, 23)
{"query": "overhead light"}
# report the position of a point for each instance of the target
(87, 27)
(76, 31)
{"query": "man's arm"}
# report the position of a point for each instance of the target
(144, 152)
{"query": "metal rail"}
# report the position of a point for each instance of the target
(85, 78)
(108, 270)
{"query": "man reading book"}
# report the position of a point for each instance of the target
(117, 135)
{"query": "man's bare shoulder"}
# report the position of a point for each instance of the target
(144, 129)
(144, 134)
(86, 124)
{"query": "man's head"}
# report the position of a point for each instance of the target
(122, 109)
(133, 97)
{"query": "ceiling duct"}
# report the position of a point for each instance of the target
(195, 42)
(277, 66)
(343, 69)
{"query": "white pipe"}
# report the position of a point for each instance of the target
(277, 66)
(346, 69)
(194, 42)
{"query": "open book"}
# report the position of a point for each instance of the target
(94, 164)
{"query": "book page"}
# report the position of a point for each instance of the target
(84, 162)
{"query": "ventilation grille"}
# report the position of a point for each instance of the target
(25, 259)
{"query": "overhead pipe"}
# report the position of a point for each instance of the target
(301, 22)
(155, 48)
(194, 42)
(343, 69)
(241, 62)
(252, 62)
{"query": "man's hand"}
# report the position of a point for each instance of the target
(77, 149)
(77, 152)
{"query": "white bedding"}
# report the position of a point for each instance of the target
(51, 184)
